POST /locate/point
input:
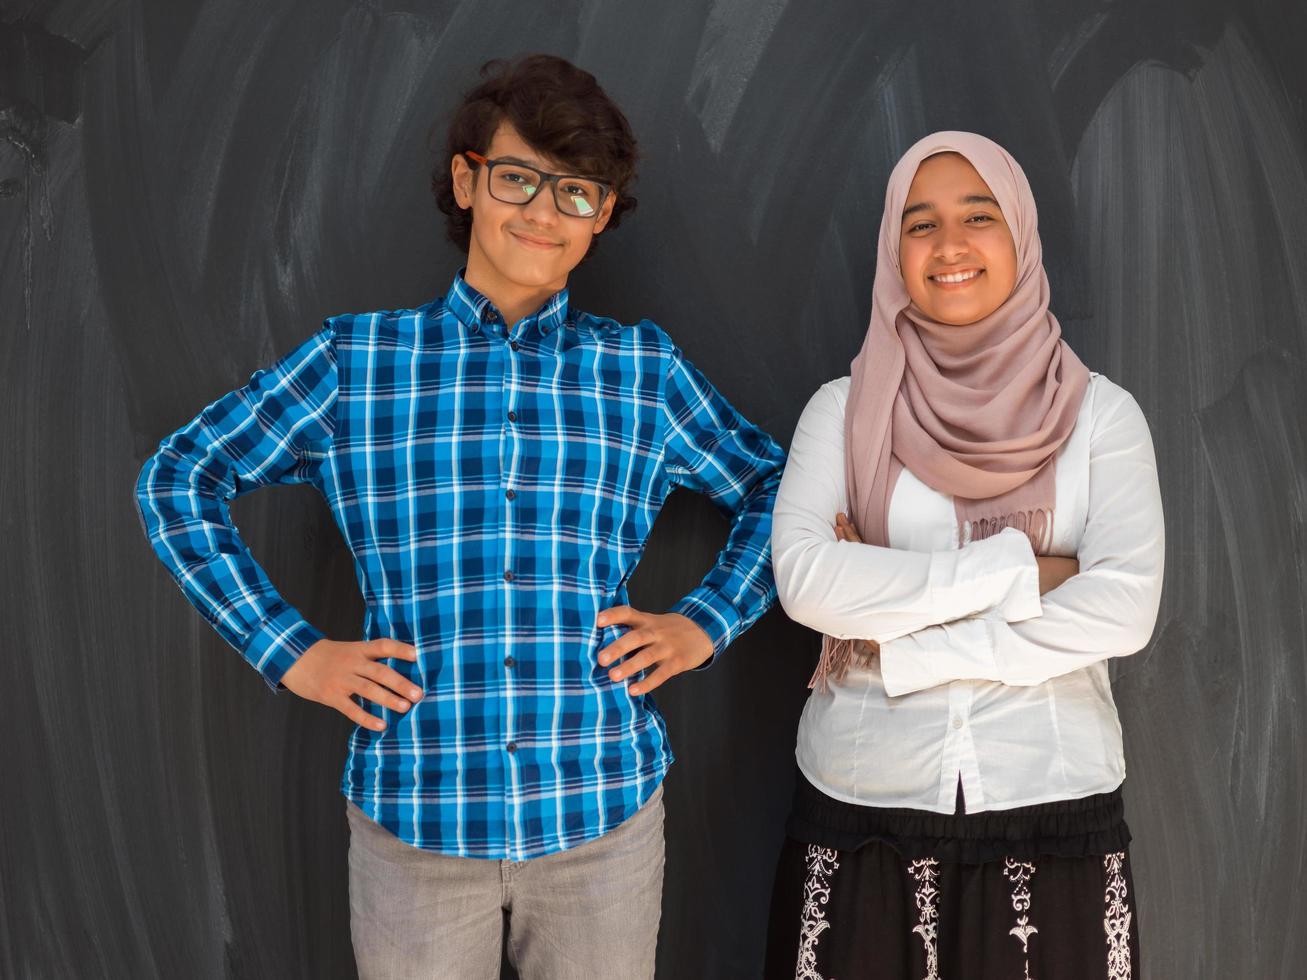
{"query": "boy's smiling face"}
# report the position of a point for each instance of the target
(521, 254)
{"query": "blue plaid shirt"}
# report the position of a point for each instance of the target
(496, 488)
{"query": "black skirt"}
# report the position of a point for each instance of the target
(1041, 892)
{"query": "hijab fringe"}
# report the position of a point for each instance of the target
(836, 658)
(1036, 524)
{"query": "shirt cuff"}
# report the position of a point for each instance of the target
(998, 572)
(936, 655)
(711, 613)
(277, 643)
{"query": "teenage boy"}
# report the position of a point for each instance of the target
(495, 460)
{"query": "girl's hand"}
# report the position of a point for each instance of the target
(844, 529)
(1054, 571)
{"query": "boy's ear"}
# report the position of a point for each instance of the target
(464, 180)
(605, 212)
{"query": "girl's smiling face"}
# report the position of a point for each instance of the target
(956, 252)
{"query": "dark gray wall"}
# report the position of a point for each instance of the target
(187, 188)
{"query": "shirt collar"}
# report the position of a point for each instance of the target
(476, 312)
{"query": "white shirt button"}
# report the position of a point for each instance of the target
(957, 722)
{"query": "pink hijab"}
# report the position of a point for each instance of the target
(976, 411)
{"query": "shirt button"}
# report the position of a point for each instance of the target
(513, 345)
(510, 662)
(511, 746)
(957, 722)
(508, 576)
(510, 494)
(512, 416)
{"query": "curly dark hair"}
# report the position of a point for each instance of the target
(560, 110)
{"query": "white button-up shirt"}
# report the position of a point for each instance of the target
(978, 675)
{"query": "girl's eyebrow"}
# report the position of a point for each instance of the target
(968, 199)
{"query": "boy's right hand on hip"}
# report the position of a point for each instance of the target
(331, 671)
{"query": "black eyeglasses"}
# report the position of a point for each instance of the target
(516, 183)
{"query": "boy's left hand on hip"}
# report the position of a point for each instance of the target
(673, 642)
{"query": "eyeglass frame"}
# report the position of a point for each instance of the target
(545, 178)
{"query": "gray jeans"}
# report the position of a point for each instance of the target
(588, 912)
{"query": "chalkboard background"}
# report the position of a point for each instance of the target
(188, 188)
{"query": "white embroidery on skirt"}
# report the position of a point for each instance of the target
(1020, 873)
(926, 873)
(1116, 923)
(822, 864)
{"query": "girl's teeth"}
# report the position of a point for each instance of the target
(955, 276)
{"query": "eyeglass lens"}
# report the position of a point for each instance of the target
(518, 185)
